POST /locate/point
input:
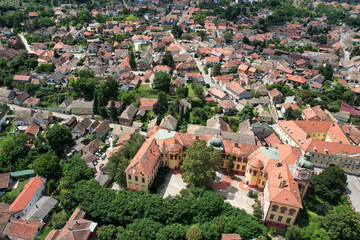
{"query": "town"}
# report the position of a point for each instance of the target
(168, 119)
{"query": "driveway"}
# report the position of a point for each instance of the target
(26, 44)
(172, 185)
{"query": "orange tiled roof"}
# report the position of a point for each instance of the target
(26, 194)
(20, 229)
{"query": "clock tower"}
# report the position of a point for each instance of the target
(304, 169)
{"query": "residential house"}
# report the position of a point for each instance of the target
(236, 91)
(22, 79)
(211, 60)
(227, 105)
(76, 226)
(91, 147)
(71, 123)
(41, 210)
(82, 107)
(81, 127)
(6, 95)
(143, 64)
(20, 98)
(32, 130)
(218, 94)
(23, 117)
(196, 76)
(118, 107)
(149, 104)
(65, 106)
(20, 229)
(31, 102)
(314, 114)
(163, 68)
(102, 130)
(127, 115)
(263, 115)
(275, 96)
(32, 191)
(169, 122)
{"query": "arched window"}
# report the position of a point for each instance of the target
(292, 212)
(283, 209)
(274, 208)
(255, 173)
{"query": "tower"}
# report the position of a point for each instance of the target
(304, 169)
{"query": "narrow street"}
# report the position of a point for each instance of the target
(25, 42)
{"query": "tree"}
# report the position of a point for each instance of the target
(330, 184)
(228, 36)
(199, 18)
(163, 101)
(246, 40)
(246, 113)
(342, 223)
(59, 219)
(68, 202)
(176, 31)
(216, 70)
(14, 153)
(58, 137)
(51, 186)
(106, 232)
(200, 164)
(293, 233)
(194, 233)
(113, 111)
(233, 69)
(47, 165)
(230, 166)
(132, 61)
(174, 231)
(74, 171)
(162, 81)
(145, 228)
(168, 59)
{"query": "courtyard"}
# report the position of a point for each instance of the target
(231, 188)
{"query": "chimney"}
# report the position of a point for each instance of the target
(36, 206)
(76, 221)
(236, 145)
(282, 184)
(279, 175)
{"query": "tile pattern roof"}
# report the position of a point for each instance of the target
(19, 229)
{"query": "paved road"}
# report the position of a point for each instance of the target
(346, 55)
(26, 44)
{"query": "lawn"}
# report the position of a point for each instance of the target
(16, 191)
(144, 91)
(44, 232)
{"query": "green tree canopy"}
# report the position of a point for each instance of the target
(216, 70)
(58, 137)
(330, 184)
(194, 233)
(168, 59)
(47, 165)
(14, 153)
(162, 81)
(200, 164)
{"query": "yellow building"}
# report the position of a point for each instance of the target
(167, 148)
(80, 107)
(324, 140)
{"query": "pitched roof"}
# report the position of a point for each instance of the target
(235, 87)
(5, 215)
(316, 111)
(227, 104)
(101, 128)
(4, 180)
(41, 209)
(32, 129)
(147, 104)
(26, 194)
(20, 229)
(169, 122)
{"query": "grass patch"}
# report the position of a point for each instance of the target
(44, 232)
(144, 91)
(132, 18)
(10, 196)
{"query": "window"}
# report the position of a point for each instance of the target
(237, 166)
(280, 218)
(143, 180)
(129, 176)
(274, 208)
(288, 220)
(283, 210)
(243, 168)
(292, 212)
(272, 216)
(136, 178)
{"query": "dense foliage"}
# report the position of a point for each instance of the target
(144, 214)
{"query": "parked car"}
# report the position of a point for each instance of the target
(103, 156)
(95, 163)
(101, 165)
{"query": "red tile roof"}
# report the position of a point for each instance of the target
(32, 129)
(26, 194)
(20, 229)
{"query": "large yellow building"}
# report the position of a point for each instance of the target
(324, 140)
(281, 172)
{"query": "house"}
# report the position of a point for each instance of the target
(81, 127)
(227, 105)
(149, 104)
(77, 226)
(263, 114)
(236, 91)
(65, 106)
(32, 130)
(106, 47)
(196, 76)
(20, 98)
(275, 96)
(143, 64)
(118, 106)
(285, 106)
(71, 123)
(41, 210)
(6, 95)
(212, 60)
(82, 107)
(218, 94)
(93, 47)
(91, 147)
(163, 68)
(127, 115)
(31, 102)
(5, 218)
(119, 131)
(22, 79)
(314, 114)
(23, 117)
(169, 122)
(259, 88)
(102, 130)
(20, 229)
(32, 191)
(4, 181)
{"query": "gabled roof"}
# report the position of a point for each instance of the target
(26, 194)
(19, 229)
